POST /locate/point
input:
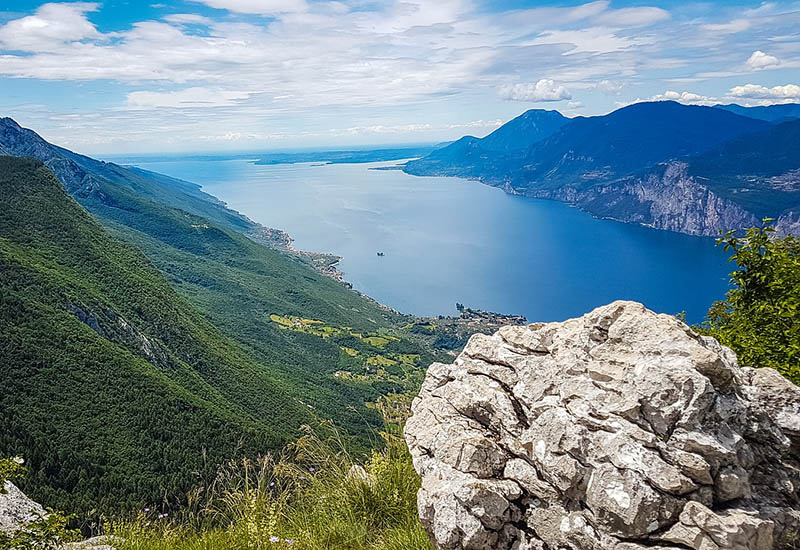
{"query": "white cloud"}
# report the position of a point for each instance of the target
(476, 124)
(49, 28)
(258, 7)
(186, 98)
(611, 87)
(576, 105)
(590, 40)
(687, 98)
(383, 129)
(416, 128)
(241, 136)
(632, 17)
(788, 92)
(734, 26)
(760, 60)
(188, 19)
(543, 90)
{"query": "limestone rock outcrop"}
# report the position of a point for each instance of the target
(16, 509)
(622, 429)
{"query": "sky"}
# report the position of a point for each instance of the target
(124, 77)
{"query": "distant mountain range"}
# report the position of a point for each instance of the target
(691, 169)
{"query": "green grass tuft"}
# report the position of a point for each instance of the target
(313, 496)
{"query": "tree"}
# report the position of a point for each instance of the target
(760, 317)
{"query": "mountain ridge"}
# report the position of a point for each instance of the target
(593, 162)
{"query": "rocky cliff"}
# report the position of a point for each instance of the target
(620, 430)
(667, 198)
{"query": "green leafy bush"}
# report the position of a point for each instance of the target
(48, 532)
(11, 469)
(760, 317)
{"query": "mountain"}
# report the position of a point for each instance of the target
(772, 113)
(96, 182)
(606, 147)
(525, 130)
(470, 156)
(629, 166)
(141, 315)
(114, 387)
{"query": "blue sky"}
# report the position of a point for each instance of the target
(213, 75)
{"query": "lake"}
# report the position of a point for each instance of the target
(447, 240)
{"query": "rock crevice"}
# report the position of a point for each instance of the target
(622, 429)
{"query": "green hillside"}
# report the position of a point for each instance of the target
(161, 325)
(127, 376)
(113, 385)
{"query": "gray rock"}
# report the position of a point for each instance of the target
(16, 509)
(620, 430)
(96, 543)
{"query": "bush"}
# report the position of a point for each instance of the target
(11, 469)
(760, 317)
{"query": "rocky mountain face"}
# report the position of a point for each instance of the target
(668, 198)
(694, 170)
(620, 430)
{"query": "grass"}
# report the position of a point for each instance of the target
(313, 496)
(380, 361)
(375, 341)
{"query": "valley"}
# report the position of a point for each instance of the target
(138, 348)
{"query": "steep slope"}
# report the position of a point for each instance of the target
(528, 128)
(637, 165)
(114, 388)
(241, 287)
(733, 186)
(771, 113)
(93, 181)
(471, 157)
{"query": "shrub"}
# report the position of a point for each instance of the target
(760, 317)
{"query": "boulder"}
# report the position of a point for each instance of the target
(622, 429)
(16, 509)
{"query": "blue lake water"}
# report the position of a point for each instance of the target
(448, 240)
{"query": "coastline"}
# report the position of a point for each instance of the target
(327, 265)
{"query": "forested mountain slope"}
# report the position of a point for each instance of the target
(282, 332)
(113, 386)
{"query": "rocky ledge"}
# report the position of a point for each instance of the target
(620, 430)
(17, 511)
